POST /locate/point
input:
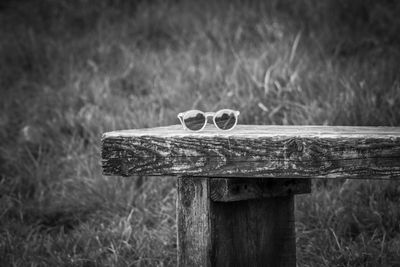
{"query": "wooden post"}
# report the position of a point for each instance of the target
(235, 201)
(237, 222)
(194, 222)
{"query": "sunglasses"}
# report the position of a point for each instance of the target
(196, 120)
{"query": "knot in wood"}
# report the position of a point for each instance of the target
(218, 188)
(293, 146)
(188, 192)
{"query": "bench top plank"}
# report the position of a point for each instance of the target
(255, 151)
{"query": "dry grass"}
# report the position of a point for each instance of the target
(71, 71)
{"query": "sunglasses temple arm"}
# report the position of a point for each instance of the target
(180, 119)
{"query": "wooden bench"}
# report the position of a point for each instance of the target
(236, 189)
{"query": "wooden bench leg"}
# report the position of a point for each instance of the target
(194, 222)
(237, 222)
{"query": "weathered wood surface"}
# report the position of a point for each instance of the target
(236, 189)
(194, 225)
(256, 232)
(255, 151)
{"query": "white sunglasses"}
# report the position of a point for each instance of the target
(196, 120)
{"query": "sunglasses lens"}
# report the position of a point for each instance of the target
(225, 120)
(194, 120)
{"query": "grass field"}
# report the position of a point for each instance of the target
(71, 70)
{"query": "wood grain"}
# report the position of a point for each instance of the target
(255, 151)
(194, 225)
(236, 189)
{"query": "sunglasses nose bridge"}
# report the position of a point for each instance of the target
(209, 114)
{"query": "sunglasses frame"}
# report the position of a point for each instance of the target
(206, 115)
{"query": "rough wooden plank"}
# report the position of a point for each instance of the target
(194, 226)
(258, 232)
(255, 151)
(236, 189)
(262, 130)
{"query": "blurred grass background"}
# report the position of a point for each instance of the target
(71, 70)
